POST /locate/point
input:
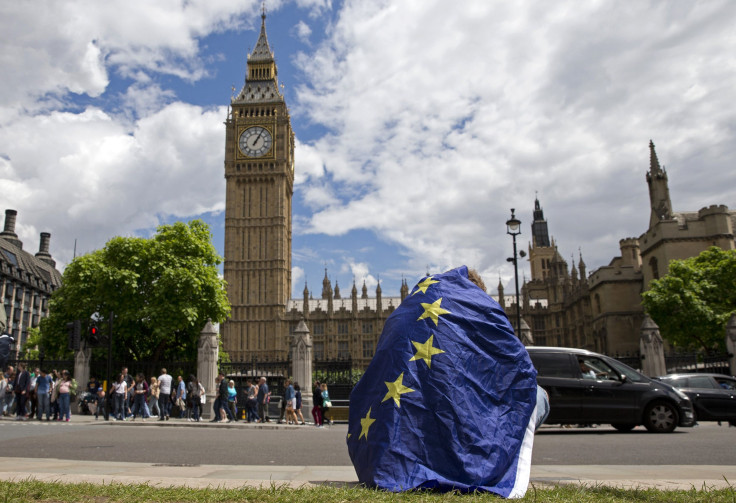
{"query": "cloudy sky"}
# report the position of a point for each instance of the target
(420, 123)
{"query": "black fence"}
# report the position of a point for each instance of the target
(710, 362)
(684, 362)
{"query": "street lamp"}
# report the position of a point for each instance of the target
(513, 227)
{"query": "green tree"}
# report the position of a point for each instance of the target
(162, 291)
(694, 301)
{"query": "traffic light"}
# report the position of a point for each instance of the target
(74, 330)
(93, 337)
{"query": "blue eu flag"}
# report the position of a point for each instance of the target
(447, 401)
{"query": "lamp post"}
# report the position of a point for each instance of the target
(513, 227)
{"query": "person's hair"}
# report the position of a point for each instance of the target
(153, 378)
(231, 383)
(316, 383)
(118, 377)
(140, 376)
(163, 371)
(296, 386)
(475, 278)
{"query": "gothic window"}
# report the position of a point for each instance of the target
(343, 350)
(538, 323)
(319, 328)
(319, 350)
(655, 267)
(367, 349)
(342, 327)
(367, 327)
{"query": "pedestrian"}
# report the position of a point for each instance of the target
(5, 342)
(232, 395)
(298, 397)
(32, 402)
(181, 397)
(164, 397)
(129, 396)
(102, 404)
(65, 413)
(223, 396)
(9, 395)
(119, 392)
(195, 393)
(264, 396)
(317, 404)
(3, 387)
(56, 380)
(43, 390)
(21, 388)
(139, 392)
(153, 391)
(251, 401)
(290, 402)
(326, 403)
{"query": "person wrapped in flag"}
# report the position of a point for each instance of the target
(450, 399)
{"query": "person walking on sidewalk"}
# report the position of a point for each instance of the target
(119, 392)
(264, 396)
(164, 395)
(223, 396)
(153, 391)
(317, 404)
(21, 388)
(326, 403)
(140, 390)
(298, 397)
(43, 390)
(181, 397)
(65, 383)
(251, 401)
(195, 393)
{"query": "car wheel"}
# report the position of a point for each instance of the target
(661, 417)
(623, 428)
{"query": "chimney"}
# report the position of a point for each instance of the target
(43, 250)
(9, 232)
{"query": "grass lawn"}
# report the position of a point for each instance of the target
(30, 490)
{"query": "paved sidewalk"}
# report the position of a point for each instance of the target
(203, 476)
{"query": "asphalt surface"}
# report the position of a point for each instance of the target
(179, 442)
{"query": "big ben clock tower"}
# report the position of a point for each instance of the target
(259, 173)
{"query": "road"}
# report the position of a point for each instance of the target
(707, 444)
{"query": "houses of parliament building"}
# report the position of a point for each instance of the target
(562, 304)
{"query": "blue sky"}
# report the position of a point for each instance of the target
(419, 126)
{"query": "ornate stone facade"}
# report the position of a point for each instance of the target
(603, 311)
(26, 281)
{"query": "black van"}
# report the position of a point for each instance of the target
(589, 388)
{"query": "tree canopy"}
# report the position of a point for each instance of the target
(694, 301)
(162, 290)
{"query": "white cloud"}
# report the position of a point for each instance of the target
(302, 31)
(90, 173)
(438, 126)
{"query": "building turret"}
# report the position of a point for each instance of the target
(659, 191)
(43, 250)
(379, 306)
(9, 232)
(501, 299)
(305, 306)
(337, 290)
(326, 287)
(581, 266)
(540, 234)
(365, 291)
(354, 299)
(404, 289)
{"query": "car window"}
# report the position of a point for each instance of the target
(596, 369)
(726, 383)
(631, 374)
(701, 382)
(553, 365)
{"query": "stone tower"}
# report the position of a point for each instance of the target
(259, 173)
(659, 191)
(541, 251)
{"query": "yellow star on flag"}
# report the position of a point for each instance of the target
(422, 287)
(426, 351)
(433, 311)
(395, 390)
(365, 424)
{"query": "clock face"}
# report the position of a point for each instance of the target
(255, 141)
